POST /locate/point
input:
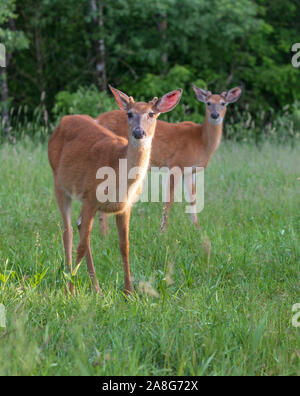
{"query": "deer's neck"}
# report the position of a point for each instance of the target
(138, 159)
(211, 138)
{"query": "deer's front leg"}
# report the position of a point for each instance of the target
(122, 221)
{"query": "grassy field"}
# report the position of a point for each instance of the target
(227, 312)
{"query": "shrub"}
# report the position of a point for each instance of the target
(178, 77)
(86, 100)
(266, 125)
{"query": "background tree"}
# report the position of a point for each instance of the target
(147, 46)
(97, 16)
(13, 40)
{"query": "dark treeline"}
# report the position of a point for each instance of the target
(62, 54)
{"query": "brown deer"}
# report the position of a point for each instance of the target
(79, 148)
(186, 144)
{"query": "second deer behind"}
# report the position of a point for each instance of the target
(186, 144)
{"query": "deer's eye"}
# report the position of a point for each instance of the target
(151, 115)
(129, 115)
(222, 103)
(208, 103)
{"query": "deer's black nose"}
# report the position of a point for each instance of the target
(215, 115)
(138, 133)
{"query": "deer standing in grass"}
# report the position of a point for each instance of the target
(186, 144)
(78, 148)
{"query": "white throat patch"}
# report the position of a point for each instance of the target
(218, 121)
(144, 143)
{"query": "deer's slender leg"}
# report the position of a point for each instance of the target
(167, 207)
(190, 185)
(64, 204)
(122, 221)
(87, 217)
(103, 224)
(90, 262)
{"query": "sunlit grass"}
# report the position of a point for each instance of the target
(215, 301)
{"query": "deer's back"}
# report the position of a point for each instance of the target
(78, 139)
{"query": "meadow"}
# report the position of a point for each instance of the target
(214, 301)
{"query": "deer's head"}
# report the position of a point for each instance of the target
(142, 116)
(216, 104)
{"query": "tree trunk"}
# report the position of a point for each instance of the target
(4, 98)
(40, 68)
(97, 9)
(162, 27)
(4, 90)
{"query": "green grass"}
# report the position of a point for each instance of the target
(228, 311)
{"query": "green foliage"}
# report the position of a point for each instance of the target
(7, 10)
(153, 47)
(178, 77)
(283, 127)
(86, 100)
(24, 127)
(13, 40)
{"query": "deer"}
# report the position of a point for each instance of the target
(78, 149)
(186, 144)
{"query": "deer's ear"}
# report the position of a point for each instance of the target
(168, 101)
(201, 94)
(124, 101)
(233, 95)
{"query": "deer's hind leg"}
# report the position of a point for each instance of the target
(190, 185)
(171, 187)
(64, 203)
(104, 228)
(89, 261)
(85, 224)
